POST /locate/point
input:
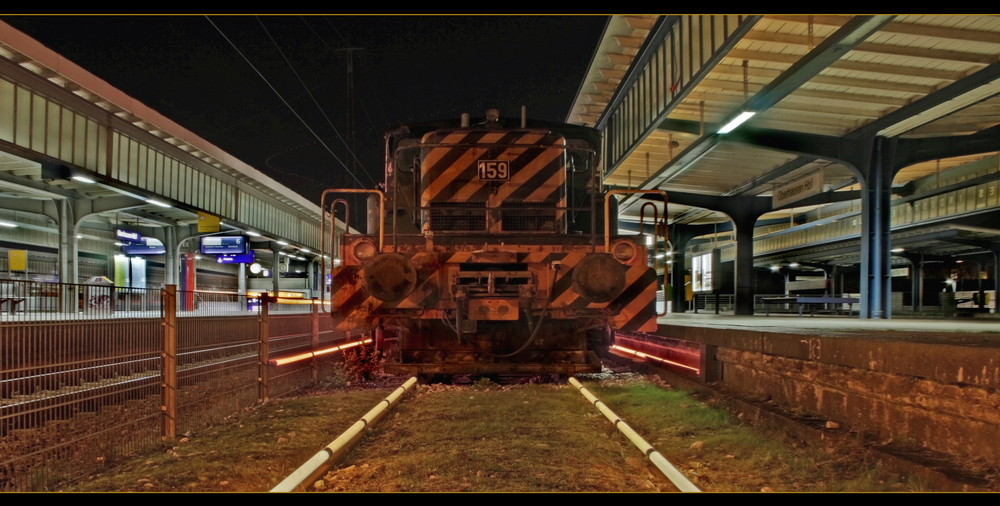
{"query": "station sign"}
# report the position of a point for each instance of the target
(145, 246)
(241, 258)
(224, 245)
(17, 260)
(208, 222)
(128, 236)
(797, 190)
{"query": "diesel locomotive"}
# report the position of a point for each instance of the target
(492, 248)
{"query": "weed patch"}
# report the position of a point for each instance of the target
(363, 363)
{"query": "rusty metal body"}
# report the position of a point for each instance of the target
(495, 257)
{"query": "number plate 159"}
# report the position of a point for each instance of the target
(494, 170)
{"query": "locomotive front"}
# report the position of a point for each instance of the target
(493, 256)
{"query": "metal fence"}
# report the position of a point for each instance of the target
(713, 302)
(89, 374)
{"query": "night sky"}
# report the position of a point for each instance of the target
(273, 90)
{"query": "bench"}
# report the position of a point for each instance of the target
(810, 292)
(804, 300)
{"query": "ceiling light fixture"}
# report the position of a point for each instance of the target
(735, 122)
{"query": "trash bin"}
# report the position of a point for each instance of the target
(947, 302)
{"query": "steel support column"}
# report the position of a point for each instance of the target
(996, 279)
(275, 266)
(916, 279)
(67, 257)
(876, 234)
(170, 256)
(677, 271)
(744, 273)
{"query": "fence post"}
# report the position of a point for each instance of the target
(169, 407)
(263, 351)
(69, 298)
(315, 341)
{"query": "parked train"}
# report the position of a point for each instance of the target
(491, 249)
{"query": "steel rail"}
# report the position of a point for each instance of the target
(322, 460)
(676, 477)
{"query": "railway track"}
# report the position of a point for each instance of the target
(489, 437)
(485, 437)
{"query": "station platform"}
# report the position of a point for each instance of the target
(980, 329)
(923, 386)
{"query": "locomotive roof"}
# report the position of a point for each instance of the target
(570, 131)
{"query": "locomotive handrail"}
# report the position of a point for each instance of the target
(607, 221)
(381, 209)
(642, 215)
(333, 214)
(656, 229)
(347, 226)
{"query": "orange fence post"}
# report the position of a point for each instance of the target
(262, 374)
(169, 406)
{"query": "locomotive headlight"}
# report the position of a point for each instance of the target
(364, 250)
(624, 251)
(599, 277)
(389, 277)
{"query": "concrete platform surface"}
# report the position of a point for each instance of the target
(983, 330)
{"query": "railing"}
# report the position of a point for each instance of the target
(911, 211)
(83, 384)
(773, 303)
(714, 302)
(676, 56)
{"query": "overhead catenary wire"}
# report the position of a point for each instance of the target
(381, 110)
(329, 122)
(285, 102)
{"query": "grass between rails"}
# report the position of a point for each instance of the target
(531, 438)
(488, 438)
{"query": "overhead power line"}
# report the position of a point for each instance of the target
(289, 106)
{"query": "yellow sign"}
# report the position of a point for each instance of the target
(207, 222)
(18, 260)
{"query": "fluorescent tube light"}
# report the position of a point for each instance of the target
(737, 121)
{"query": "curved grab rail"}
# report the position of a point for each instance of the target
(347, 226)
(660, 229)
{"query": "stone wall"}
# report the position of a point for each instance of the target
(924, 391)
